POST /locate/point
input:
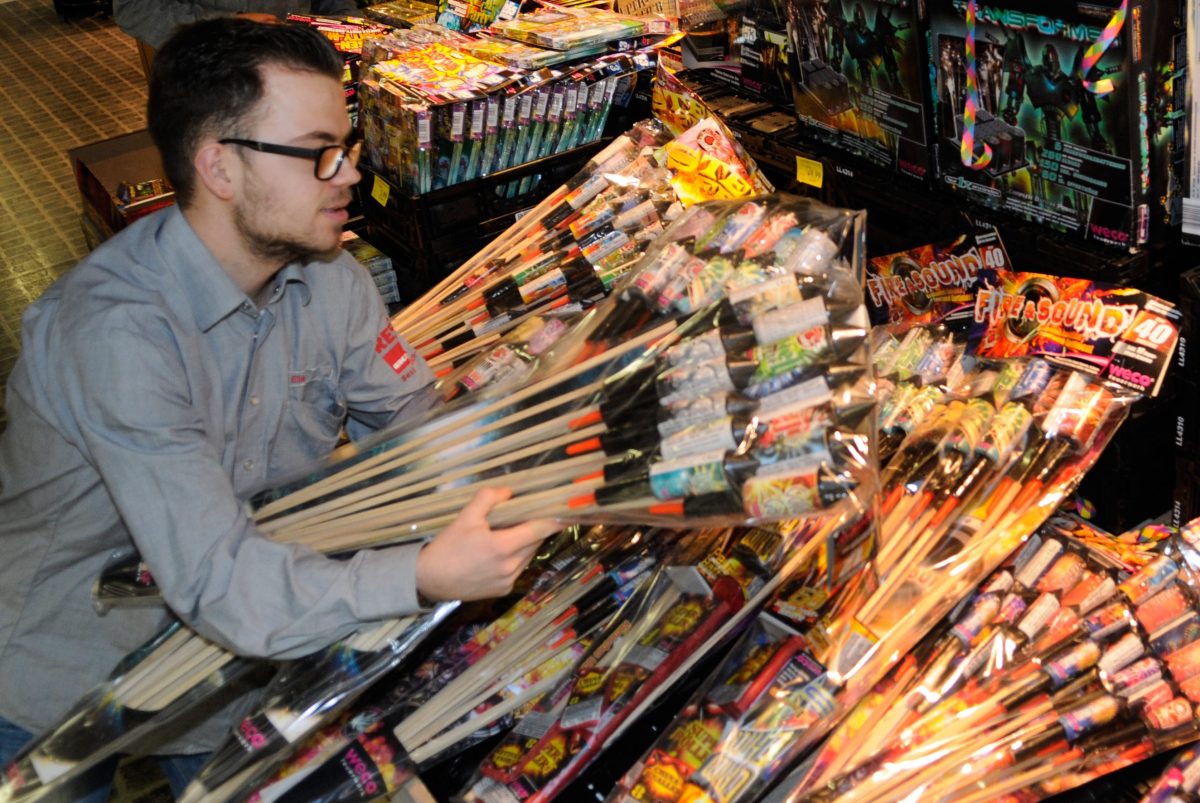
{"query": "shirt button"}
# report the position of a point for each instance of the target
(248, 465)
(254, 401)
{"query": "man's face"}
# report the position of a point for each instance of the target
(283, 211)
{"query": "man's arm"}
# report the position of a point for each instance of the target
(217, 572)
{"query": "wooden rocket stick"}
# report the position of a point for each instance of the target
(382, 462)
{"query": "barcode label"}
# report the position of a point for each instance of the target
(1191, 216)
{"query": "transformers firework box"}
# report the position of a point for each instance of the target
(858, 78)
(1073, 117)
(766, 52)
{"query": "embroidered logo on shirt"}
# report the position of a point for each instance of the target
(395, 354)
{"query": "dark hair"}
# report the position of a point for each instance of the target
(208, 76)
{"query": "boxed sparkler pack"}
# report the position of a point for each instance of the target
(1073, 112)
(859, 79)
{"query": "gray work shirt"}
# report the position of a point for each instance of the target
(153, 21)
(150, 396)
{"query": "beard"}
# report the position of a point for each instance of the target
(252, 217)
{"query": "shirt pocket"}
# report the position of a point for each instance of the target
(312, 423)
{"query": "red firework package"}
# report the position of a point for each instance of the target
(931, 283)
(1117, 333)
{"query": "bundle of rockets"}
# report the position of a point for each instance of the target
(849, 543)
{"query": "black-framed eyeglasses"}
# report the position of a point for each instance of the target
(327, 161)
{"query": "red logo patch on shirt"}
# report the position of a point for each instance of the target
(395, 354)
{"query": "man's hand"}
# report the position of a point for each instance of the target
(469, 560)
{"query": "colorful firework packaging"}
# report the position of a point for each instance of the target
(380, 744)
(1059, 668)
(992, 451)
(859, 83)
(931, 283)
(684, 612)
(706, 750)
(402, 13)
(1074, 112)
(759, 407)
(769, 653)
(1124, 335)
(567, 254)
(1180, 781)
(732, 391)
(565, 28)
(439, 109)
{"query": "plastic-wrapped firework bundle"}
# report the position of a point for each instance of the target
(994, 448)
(1057, 670)
(755, 407)
(563, 257)
(781, 650)
(682, 614)
(301, 697)
(169, 675)
(473, 681)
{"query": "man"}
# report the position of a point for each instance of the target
(193, 358)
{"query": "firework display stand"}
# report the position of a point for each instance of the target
(854, 341)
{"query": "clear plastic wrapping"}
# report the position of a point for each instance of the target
(477, 679)
(168, 676)
(305, 694)
(681, 614)
(725, 381)
(1062, 666)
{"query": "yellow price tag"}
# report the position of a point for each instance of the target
(810, 172)
(380, 190)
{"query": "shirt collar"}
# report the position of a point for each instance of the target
(210, 291)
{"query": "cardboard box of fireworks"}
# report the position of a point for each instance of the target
(1075, 110)
(859, 81)
(120, 180)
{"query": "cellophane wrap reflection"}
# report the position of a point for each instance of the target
(1062, 666)
(303, 695)
(479, 676)
(171, 674)
(684, 612)
(977, 453)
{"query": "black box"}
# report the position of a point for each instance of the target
(766, 57)
(860, 80)
(429, 235)
(1097, 166)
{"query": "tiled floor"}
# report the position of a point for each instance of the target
(62, 84)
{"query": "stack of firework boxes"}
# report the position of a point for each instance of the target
(886, 80)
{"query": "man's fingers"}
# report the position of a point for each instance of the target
(529, 534)
(484, 500)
